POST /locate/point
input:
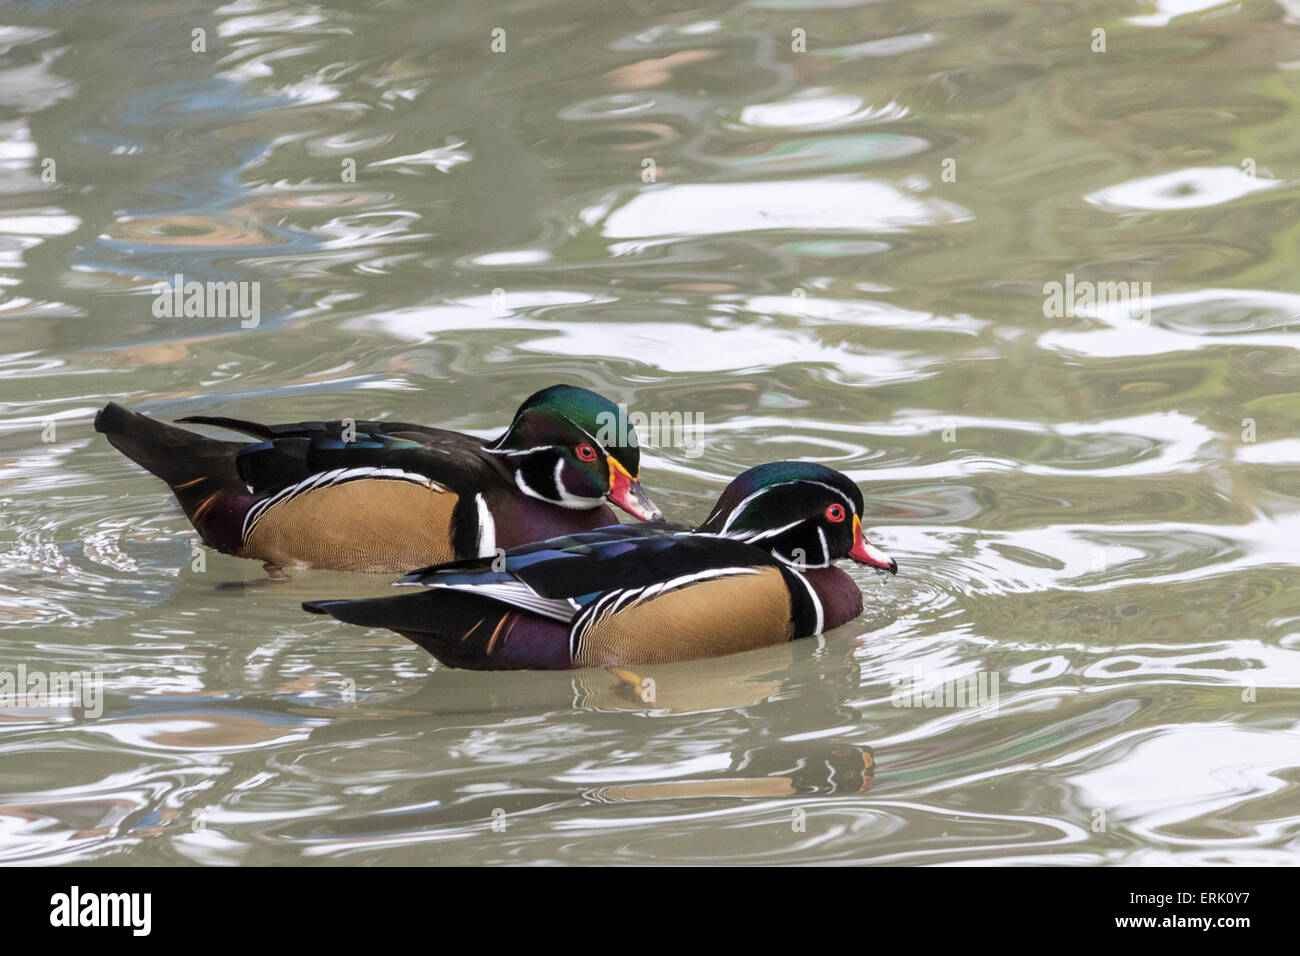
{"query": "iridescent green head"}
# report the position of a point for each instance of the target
(565, 446)
(805, 514)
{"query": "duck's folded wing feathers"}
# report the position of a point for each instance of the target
(293, 457)
(583, 566)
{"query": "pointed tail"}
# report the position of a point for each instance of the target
(461, 630)
(200, 470)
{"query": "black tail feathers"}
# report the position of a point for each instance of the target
(194, 465)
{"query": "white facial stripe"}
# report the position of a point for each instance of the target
(804, 565)
(596, 442)
(494, 448)
(751, 538)
(568, 500)
(736, 511)
(525, 487)
(747, 501)
(519, 452)
(759, 536)
(823, 484)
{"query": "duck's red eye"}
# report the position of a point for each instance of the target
(586, 452)
(835, 513)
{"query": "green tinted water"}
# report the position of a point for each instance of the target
(843, 254)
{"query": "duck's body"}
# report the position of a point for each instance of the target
(381, 496)
(639, 594)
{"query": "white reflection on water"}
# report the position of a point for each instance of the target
(1166, 10)
(1185, 321)
(1189, 188)
(818, 108)
(1182, 777)
(814, 206)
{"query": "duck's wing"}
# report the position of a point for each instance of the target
(291, 454)
(580, 567)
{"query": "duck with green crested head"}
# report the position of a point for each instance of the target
(760, 570)
(391, 496)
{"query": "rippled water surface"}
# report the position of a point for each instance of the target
(837, 253)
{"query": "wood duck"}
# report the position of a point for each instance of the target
(759, 570)
(390, 496)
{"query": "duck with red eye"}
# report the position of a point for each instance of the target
(558, 461)
(806, 515)
(357, 495)
(757, 572)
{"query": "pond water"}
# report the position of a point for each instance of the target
(1027, 272)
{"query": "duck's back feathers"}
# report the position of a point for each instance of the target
(606, 559)
(233, 424)
(291, 454)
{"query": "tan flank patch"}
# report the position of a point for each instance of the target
(706, 619)
(367, 524)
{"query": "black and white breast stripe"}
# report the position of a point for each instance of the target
(619, 600)
(326, 478)
(486, 538)
(819, 615)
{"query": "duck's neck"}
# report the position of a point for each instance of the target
(839, 595)
(521, 520)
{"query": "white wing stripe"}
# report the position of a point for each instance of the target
(516, 594)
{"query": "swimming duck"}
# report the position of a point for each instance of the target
(391, 496)
(759, 570)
